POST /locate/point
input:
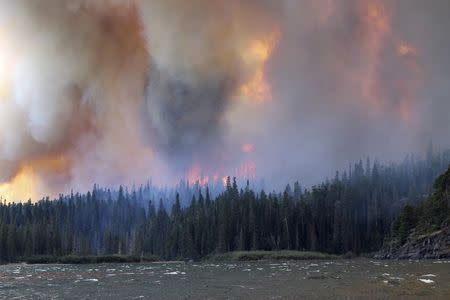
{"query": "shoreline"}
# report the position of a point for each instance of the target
(83, 259)
(271, 255)
(236, 256)
(284, 255)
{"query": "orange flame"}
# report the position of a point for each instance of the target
(248, 148)
(195, 175)
(224, 180)
(27, 182)
(21, 187)
(256, 57)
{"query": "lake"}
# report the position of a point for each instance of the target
(339, 279)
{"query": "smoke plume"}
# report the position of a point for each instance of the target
(118, 91)
(197, 62)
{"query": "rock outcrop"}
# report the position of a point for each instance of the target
(430, 246)
(419, 224)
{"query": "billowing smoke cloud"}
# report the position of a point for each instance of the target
(116, 91)
(75, 74)
(353, 79)
(197, 62)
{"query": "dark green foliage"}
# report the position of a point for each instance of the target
(41, 259)
(351, 213)
(436, 209)
(405, 223)
(74, 259)
(427, 217)
(270, 255)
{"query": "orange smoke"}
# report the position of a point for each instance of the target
(404, 49)
(28, 182)
(256, 56)
(93, 94)
(383, 93)
(410, 83)
(378, 29)
(123, 48)
(377, 17)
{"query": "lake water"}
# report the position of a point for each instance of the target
(342, 279)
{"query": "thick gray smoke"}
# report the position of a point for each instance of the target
(117, 91)
(329, 54)
(196, 50)
(186, 118)
(72, 85)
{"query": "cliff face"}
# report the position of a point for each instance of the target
(429, 246)
(422, 232)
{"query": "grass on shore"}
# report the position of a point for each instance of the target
(271, 255)
(75, 259)
(230, 256)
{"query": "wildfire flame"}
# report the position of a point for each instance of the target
(257, 55)
(26, 183)
(22, 186)
(195, 175)
(245, 170)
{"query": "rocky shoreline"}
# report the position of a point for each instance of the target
(435, 245)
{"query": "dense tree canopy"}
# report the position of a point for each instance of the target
(352, 212)
(426, 217)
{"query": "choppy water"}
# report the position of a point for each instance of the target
(343, 279)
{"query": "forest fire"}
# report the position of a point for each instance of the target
(124, 94)
(244, 133)
(246, 170)
(78, 90)
(195, 175)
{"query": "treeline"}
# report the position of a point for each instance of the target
(351, 212)
(426, 217)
